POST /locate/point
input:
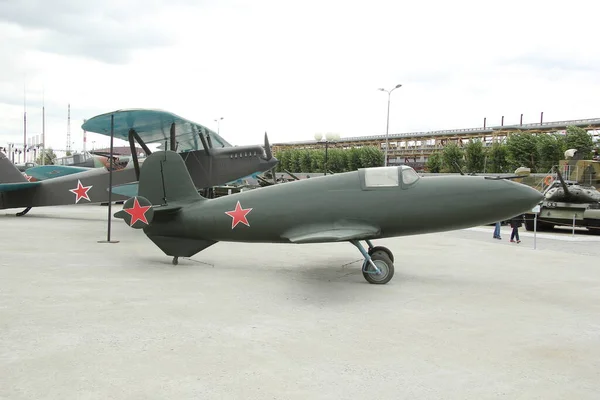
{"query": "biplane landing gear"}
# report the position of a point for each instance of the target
(25, 211)
(378, 267)
(175, 260)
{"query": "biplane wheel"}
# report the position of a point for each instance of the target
(384, 249)
(175, 260)
(385, 265)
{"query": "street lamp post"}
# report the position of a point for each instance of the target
(218, 123)
(329, 137)
(387, 144)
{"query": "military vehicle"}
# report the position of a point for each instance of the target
(569, 202)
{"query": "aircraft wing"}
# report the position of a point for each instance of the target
(11, 187)
(338, 232)
(43, 172)
(154, 126)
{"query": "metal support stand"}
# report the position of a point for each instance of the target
(574, 216)
(110, 173)
(534, 231)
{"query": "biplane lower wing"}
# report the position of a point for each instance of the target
(154, 126)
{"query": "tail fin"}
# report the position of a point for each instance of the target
(9, 173)
(164, 178)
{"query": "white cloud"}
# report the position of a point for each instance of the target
(293, 69)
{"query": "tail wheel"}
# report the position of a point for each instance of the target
(385, 266)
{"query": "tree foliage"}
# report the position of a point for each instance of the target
(338, 160)
(434, 163)
(475, 156)
(452, 158)
(550, 149)
(497, 159)
(578, 138)
(49, 158)
(522, 150)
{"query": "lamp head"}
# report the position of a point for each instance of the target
(318, 136)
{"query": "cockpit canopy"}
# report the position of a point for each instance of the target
(378, 177)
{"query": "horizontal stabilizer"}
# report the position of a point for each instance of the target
(340, 232)
(127, 189)
(11, 187)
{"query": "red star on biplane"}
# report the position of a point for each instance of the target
(81, 192)
(238, 215)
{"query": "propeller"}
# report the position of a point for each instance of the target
(268, 153)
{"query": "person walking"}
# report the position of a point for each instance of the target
(515, 224)
(497, 231)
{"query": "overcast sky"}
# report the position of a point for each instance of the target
(293, 69)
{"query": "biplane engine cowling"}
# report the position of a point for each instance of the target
(137, 212)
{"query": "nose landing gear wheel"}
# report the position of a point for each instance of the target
(385, 266)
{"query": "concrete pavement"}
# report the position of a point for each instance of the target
(465, 317)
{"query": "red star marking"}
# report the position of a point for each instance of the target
(137, 212)
(81, 192)
(238, 215)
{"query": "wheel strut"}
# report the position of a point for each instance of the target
(367, 257)
(175, 260)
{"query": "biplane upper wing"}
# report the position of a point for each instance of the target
(154, 126)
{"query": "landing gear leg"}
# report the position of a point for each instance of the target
(377, 268)
(25, 211)
(175, 260)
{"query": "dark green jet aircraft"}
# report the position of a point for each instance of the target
(356, 206)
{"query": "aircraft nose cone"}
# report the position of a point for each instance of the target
(511, 198)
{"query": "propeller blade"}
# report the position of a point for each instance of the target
(268, 148)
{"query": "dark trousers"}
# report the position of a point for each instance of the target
(515, 233)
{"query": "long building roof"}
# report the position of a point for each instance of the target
(545, 126)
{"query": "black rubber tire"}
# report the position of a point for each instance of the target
(384, 263)
(384, 249)
(175, 260)
(529, 223)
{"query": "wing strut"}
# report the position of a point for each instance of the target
(133, 135)
(204, 143)
(173, 143)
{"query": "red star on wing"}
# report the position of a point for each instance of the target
(238, 215)
(81, 192)
(137, 212)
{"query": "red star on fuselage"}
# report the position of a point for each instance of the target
(137, 212)
(238, 215)
(81, 192)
